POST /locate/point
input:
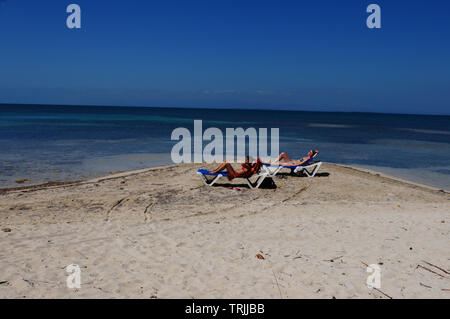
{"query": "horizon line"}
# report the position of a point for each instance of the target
(282, 109)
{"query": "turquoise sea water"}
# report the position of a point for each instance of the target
(57, 143)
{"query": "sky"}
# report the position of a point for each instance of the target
(295, 55)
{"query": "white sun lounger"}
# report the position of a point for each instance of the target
(309, 168)
(216, 176)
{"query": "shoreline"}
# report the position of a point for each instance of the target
(55, 184)
(393, 178)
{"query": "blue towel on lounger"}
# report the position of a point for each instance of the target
(206, 172)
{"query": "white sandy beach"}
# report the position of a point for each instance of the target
(160, 233)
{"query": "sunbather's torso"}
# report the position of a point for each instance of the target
(293, 163)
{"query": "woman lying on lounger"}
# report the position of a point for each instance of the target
(247, 170)
(284, 159)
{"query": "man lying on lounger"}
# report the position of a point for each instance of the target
(247, 170)
(284, 159)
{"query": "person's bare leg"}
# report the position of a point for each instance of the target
(231, 173)
(283, 158)
(224, 166)
(219, 168)
(230, 170)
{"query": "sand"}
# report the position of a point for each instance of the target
(160, 233)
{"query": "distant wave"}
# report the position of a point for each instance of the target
(329, 125)
(295, 139)
(424, 131)
(87, 119)
(442, 171)
(412, 144)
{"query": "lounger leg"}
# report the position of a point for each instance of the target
(314, 170)
(277, 170)
(207, 182)
(267, 170)
(204, 180)
(261, 180)
(249, 183)
(215, 180)
(272, 172)
(258, 181)
(307, 173)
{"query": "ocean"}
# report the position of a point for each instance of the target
(64, 143)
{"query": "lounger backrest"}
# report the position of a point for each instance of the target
(310, 159)
(255, 169)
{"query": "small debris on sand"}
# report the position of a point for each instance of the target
(21, 181)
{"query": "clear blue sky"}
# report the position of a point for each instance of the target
(306, 55)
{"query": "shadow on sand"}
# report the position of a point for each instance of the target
(268, 183)
(286, 175)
